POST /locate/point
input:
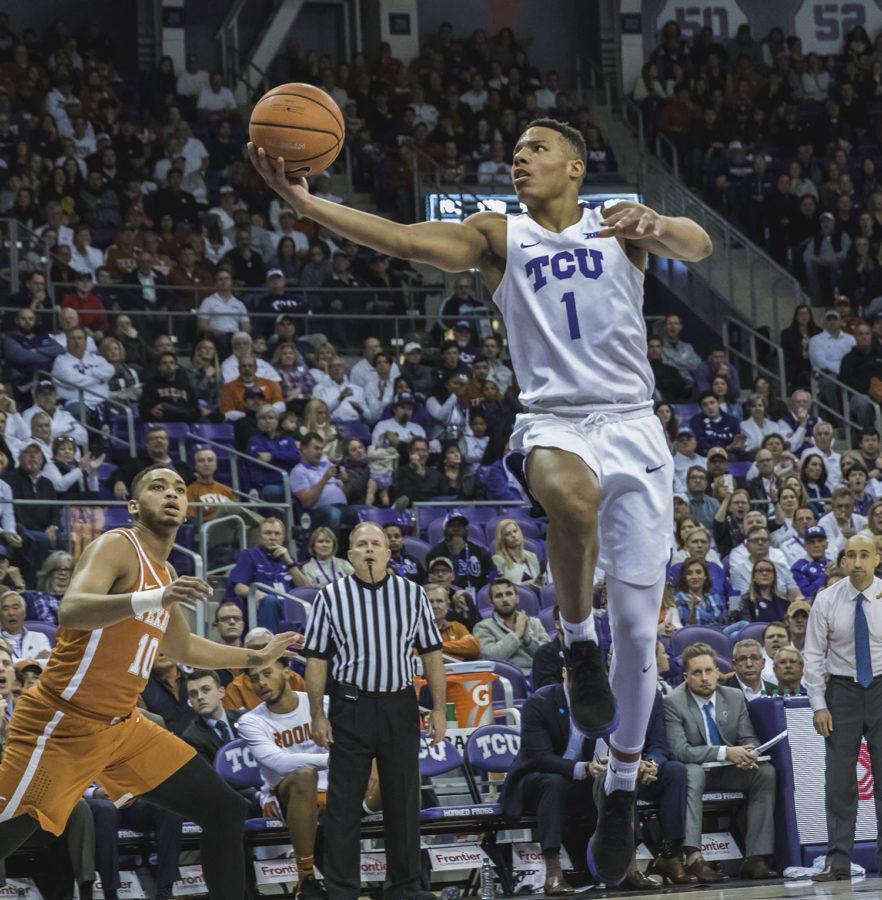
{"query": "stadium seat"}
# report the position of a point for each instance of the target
(221, 432)
(297, 613)
(43, 628)
(694, 634)
(416, 548)
(403, 518)
(117, 517)
(305, 594)
(238, 768)
(356, 430)
(739, 468)
(547, 596)
(479, 515)
(527, 599)
(753, 631)
(491, 750)
(546, 617)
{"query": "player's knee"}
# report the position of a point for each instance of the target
(303, 781)
(573, 506)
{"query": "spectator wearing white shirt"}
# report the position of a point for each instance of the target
(83, 256)
(55, 221)
(827, 347)
(192, 80)
(379, 390)
(25, 644)
(685, 456)
(842, 522)
(363, 371)
(546, 96)
(80, 368)
(61, 102)
(345, 400)
(400, 423)
(215, 98)
(476, 96)
(758, 425)
(68, 319)
(221, 314)
(823, 437)
(285, 221)
(423, 111)
(242, 345)
(332, 89)
(63, 423)
(192, 149)
(679, 354)
(495, 170)
(775, 636)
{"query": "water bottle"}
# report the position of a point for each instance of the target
(488, 880)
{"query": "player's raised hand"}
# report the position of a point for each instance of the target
(631, 221)
(272, 171)
(187, 589)
(282, 645)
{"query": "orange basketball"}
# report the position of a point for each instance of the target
(301, 123)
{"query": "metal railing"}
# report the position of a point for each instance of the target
(733, 329)
(833, 397)
(251, 600)
(205, 528)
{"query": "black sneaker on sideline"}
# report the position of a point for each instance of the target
(612, 844)
(311, 889)
(592, 704)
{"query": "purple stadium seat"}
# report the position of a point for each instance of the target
(238, 768)
(417, 548)
(435, 533)
(117, 517)
(546, 617)
(753, 631)
(356, 430)
(222, 432)
(176, 430)
(297, 613)
(43, 628)
(528, 526)
(548, 596)
(739, 468)
(527, 599)
(694, 634)
(305, 594)
(428, 514)
(403, 518)
(491, 749)
(479, 514)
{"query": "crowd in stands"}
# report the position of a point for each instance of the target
(139, 196)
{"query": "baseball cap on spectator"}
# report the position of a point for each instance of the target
(685, 429)
(253, 391)
(24, 665)
(831, 314)
(814, 531)
(275, 273)
(736, 145)
(683, 497)
(462, 325)
(45, 385)
(799, 606)
(441, 561)
(403, 398)
(227, 189)
(455, 516)
(827, 215)
(717, 451)
(410, 346)
(284, 317)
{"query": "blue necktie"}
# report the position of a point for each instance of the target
(223, 731)
(714, 738)
(862, 658)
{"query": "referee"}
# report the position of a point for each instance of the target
(843, 675)
(365, 627)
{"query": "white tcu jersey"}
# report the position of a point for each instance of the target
(573, 310)
(282, 743)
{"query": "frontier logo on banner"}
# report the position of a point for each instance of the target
(719, 845)
(527, 857)
(192, 881)
(21, 889)
(462, 856)
(130, 888)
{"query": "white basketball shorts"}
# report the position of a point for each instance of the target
(630, 457)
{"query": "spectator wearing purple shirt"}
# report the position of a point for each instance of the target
(317, 487)
(270, 446)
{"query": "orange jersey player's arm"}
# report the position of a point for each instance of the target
(185, 647)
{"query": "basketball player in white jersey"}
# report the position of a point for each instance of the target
(568, 279)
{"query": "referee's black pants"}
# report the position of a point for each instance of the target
(385, 727)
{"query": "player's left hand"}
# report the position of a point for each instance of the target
(436, 726)
(282, 645)
(631, 221)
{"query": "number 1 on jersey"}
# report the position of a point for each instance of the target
(569, 300)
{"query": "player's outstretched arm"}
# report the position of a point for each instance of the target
(185, 647)
(90, 601)
(449, 246)
(673, 237)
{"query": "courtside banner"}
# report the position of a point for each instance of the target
(460, 856)
(192, 881)
(373, 866)
(22, 889)
(719, 845)
(526, 856)
(275, 871)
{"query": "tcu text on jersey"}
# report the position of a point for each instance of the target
(563, 265)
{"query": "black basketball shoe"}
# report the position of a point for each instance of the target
(592, 704)
(612, 844)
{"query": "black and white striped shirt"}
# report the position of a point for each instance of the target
(368, 631)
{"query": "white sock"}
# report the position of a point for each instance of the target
(578, 631)
(621, 776)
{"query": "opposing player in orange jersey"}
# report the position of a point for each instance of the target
(79, 723)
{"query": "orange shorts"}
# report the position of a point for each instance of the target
(52, 756)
